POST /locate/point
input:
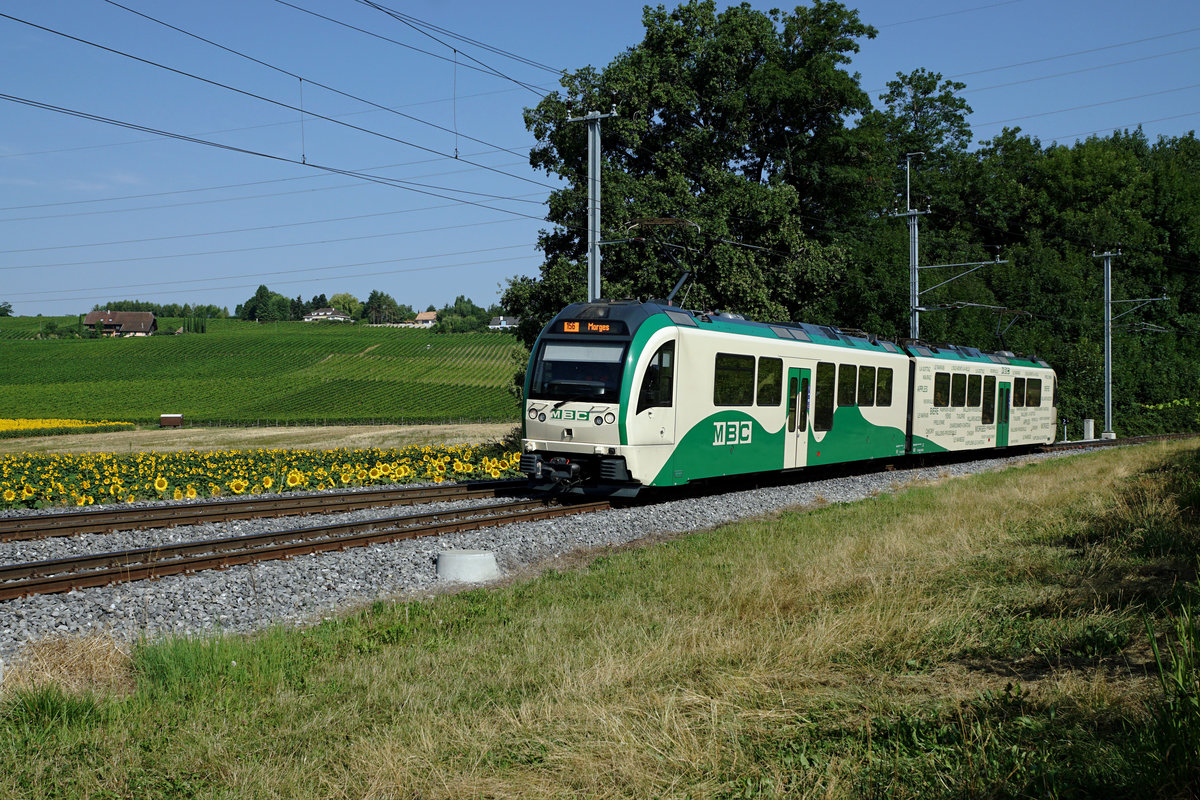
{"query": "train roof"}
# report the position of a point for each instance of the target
(632, 314)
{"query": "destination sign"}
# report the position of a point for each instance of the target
(588, 326)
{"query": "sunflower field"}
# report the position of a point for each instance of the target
(12, 428)
(36, 480)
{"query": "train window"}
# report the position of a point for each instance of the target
(770, 381)
(958, 390)
(793, 387)
(847, 383)
(989, 399)
(733, 380)
(973, 388)
(866, 386)
(823, 406)
(803, 423)
(657, 383)
(1018, 393)
(1033, 392)
(578, 371)
(883, 387)
(1054, 395)
(941, 389)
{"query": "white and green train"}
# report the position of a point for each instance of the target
(625, 395)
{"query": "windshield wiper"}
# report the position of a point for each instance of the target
(573, 398)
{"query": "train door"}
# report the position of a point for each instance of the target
(653, 421)
(1005, 397)
(799, 390)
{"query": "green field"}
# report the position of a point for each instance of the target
(245, 373)
(999, 636)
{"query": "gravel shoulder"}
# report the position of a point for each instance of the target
(307, 589)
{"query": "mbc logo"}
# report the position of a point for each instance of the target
(732, 433)
(558, 413)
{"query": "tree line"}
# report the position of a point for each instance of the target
(461, 316)
(747, 154)
(199, 310)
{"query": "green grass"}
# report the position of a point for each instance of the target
(981, 638)
(246, 373)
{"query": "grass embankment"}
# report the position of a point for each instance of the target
(281, 373)
(983, 637)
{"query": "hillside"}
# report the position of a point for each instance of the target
(244, 373)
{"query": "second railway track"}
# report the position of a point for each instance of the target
(102, 569)
(103, 520)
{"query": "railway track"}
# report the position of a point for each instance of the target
(103, 569)
(42, 526)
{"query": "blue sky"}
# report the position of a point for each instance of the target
(90, 212)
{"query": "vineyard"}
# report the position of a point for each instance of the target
(244, 373)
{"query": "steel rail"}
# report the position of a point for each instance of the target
(40, 526)
(48, 577)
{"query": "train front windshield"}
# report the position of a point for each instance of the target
(588, 371)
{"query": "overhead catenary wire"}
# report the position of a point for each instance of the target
(276, 272)
(405, 45)
(265, 99)
(402, 18)
(366, 170)
(234, 149)
(258, 127)
(1086, 105)
(302, 79)
(363, 237)
(165, 287)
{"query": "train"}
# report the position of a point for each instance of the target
(623, 395)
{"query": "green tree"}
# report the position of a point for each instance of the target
(5, 309)
(381, 307)
(265, 306)
(347, 304)
(461, 316)
(734, 122)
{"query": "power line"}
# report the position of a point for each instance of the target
(248, 128)
(468, 40)
(287, 283)
(302, 78)
(1086, 105)
(1072, 54)
(233, 186)
(1125, 126)
(1079, 71)
(405, 45)
(395, 182)
(950, 13)
(127, 260)
(402, 18)
(279, 103)
(276, 272)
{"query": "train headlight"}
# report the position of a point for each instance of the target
(533, 413)
(542, 417)
(599, 419)
(610, 418)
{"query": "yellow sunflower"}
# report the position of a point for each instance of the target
(160, 484)
(9, 495)
(268, 482)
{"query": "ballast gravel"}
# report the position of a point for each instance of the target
(306, 589)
